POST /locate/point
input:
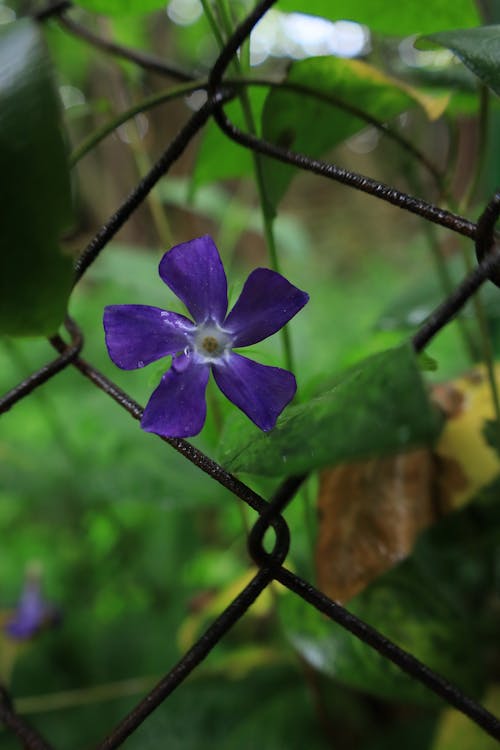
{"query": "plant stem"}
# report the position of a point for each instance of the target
(443, 273)
(141, 159)
(266, 209)
(465, 202)
(148, 103)
(177, 92)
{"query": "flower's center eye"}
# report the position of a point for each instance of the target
(211, 341)
(210, 344)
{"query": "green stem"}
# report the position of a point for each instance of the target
(175, 93)
(488, 355)
(443, 274)
(266, 208)
(143, 165)
(487, 350)
(464, 204)
(148, 103)
(308, 510)
(448, 287)
(484, 111)
(212, 22)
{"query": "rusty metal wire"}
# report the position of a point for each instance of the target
(270, 564)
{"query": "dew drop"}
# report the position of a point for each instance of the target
(140, 363)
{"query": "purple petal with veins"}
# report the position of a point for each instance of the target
(137, 335)
(194, 272)
(260, 391)
(266, 304)
(177, 407)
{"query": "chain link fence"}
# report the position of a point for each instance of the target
(271, 565)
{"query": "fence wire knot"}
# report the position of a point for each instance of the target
(487, 239)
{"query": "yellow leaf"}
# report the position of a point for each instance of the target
(432, 104)
(456, 731)
(462, 439)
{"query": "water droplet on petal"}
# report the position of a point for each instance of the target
(140, 363)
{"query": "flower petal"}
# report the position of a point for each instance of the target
(260, 391)
(177, 407)
(266, 303)
(194, 272)
(30, 614)
(139, 334)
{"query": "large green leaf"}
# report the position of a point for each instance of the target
(35, 191)
(122, 7)
(378, 407)
(410, 17)
(313, 124)
(434, 605)
(479, 50)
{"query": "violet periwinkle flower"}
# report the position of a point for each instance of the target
(137, 335)
(32, 612)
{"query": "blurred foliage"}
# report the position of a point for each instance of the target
(139, 549)
(478, 49)
(35, 278)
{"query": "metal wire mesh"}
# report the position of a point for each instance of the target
(270, 564)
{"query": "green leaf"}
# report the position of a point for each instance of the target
(122, 7)
(378, 407)
(313, 124)
(491, 432)
(218, 157)
(411, 17)
(478, 49)
(427, 363)
(434, 605)
(35, 191)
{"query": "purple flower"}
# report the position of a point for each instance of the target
(137, 335)
(32, 612)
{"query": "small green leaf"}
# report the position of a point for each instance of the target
(122, 7)
(427, 363)
(478, 49)
(410, 17)
(313, 124)
(378, 407)
(35, 191)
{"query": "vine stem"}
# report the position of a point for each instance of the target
(140, 192)
(267, 211)
(487, 350)
(141, 158)
(149, 102)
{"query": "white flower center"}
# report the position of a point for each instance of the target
(211, 342)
